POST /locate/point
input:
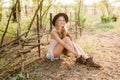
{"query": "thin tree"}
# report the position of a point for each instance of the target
(41, 15)
(30, 25)
(14, 12)
(79, 12)
(7, 25)
(0, 10)
(107, 6)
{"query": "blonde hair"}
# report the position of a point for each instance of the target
(63, 34)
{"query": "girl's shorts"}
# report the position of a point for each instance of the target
(51, 57)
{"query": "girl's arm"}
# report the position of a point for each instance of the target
(60, 41)
(68, 34)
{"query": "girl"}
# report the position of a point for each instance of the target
(62, 43)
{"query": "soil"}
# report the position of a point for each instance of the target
(107, 55)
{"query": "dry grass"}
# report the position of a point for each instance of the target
(103, 46)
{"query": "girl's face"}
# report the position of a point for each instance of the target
(60, 22)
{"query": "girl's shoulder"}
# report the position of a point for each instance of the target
(54, 30)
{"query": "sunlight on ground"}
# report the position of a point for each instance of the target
(88, 45)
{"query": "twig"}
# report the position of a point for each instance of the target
(29, 27)
(7, 25)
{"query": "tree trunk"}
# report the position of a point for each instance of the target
(7, 26)
(14, 13)
(79, 11)
(29, 27)
(26, 12)
(106, 3)
(50, 22)
(76, 24)
(41, 14)
(95, 11)
(19, 18)
(38, 33)
(0, 10)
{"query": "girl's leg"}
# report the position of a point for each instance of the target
(59, 48)
(88, 60)
(76, 48)
(69, 42)
(84, 55)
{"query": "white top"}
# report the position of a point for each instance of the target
(49, 54)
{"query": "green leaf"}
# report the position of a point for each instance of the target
(14, 78)
(27, 75)
(21, 75)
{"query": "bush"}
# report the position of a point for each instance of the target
(107, 19)
(20, 76)
(82, 19)
(105, 26)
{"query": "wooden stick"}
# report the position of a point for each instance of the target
(46, 10)
(29, 27)
(7, 25)
(80, 31)
(50, 22)
(25, 40)
(19, 18)
(76, 24)
(18, 54)
(38, 32)
(10, 43)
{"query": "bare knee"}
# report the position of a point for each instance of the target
(66, 38)
(58, 50)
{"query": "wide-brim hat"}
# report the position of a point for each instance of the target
(58, 15)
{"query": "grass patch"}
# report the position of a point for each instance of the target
(88, 46)
(105, 26)
(116, 28)
(12, 29)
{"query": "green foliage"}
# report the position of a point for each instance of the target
(0, 12)
(107, 19)
(12, 28)
(20, 76)
(83, 19)
(105, 26)
(14, 78)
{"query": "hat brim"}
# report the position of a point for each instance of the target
(58, 15)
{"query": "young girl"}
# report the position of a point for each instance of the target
(61, 43)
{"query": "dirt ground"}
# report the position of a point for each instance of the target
(107, 55)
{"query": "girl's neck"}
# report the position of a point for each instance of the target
(58, 29)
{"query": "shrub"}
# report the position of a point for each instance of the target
(107, 19)
(105, 26)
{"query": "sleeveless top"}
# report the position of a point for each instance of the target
(50, 54)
